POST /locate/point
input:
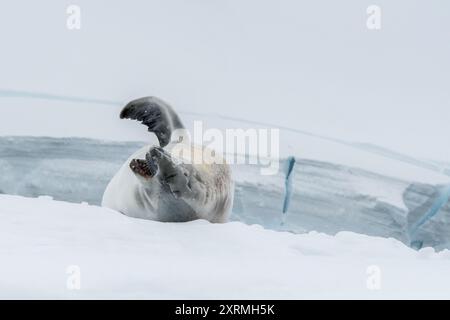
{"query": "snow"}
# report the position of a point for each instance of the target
(122, 257)
(336, 126)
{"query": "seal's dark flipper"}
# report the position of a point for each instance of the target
(156, 114)
(175, 176)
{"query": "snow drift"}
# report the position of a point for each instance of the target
(42, 240)
(335, 185)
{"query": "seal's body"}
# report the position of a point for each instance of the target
(155, 184)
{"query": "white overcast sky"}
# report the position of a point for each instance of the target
(311, 65)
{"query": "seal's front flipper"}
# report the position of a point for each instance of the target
(171, 174)
(156, 114)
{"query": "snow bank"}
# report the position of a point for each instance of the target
(84, 123)
(121, 257)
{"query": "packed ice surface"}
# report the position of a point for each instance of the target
(322, 196)
(50, 248)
